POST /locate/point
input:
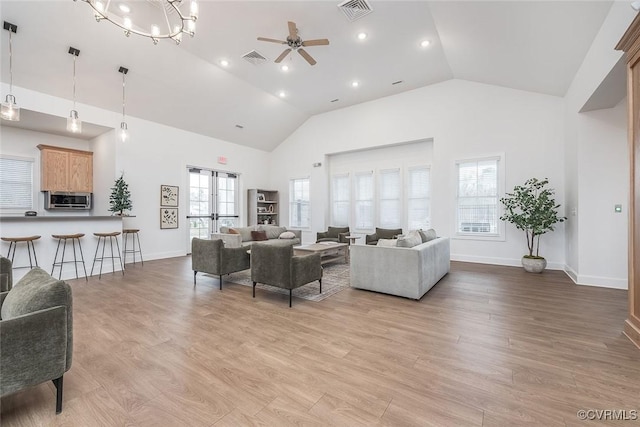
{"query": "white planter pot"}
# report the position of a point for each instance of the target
(534, 265)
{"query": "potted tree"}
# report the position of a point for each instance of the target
(120, 199)
(531, 208)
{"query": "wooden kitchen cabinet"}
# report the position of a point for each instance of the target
(65, 169)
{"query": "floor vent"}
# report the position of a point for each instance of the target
(254, 57)
(355, 9)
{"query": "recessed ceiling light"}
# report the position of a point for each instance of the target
(355, 83)
(282, 94)
(425, 43)
(285, 68)
(124, 8)
(362, 36)
(224, 62)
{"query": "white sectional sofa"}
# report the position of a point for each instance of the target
(405, 272)
(244, 237)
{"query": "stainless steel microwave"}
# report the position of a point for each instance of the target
(69, 201)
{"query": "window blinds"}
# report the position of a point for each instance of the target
(16, 183)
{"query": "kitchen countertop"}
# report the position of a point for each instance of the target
(58, 217)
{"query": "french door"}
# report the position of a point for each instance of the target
(213, 202)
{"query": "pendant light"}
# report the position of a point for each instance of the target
(10, 111)
(124, 131)
(74, 124)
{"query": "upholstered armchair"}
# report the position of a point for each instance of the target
(276, 265)
(333, 234)
(6, 274)
(36, 333)
(210, 256)
(382, 233)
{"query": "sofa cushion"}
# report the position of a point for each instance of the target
(37, 290)
(273, 231)
(410, 240)
(287, 235)
(257, 236)
(428, 235)
(387, 242)
(335, 231)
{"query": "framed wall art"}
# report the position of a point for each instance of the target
(169, 195)
(168, 218)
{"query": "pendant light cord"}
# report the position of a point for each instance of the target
(74, 81)
(123, 98)
(10, 64)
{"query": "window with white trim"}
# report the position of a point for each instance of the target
(363, 212)
(340, 200)
(477, 208)
(390, 198)
(419, 198)
(299, 203)
(16, 183)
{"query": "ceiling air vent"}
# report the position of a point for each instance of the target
(254, 57)
(355, 9)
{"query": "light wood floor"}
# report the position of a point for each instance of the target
(486, 346)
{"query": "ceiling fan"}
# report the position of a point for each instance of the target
(296, 43)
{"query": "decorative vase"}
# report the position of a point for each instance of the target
(534, 265)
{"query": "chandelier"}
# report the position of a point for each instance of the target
(162, 18)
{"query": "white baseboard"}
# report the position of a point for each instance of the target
(156, 255)
(571, 273)
(603, 282)
(511, 262)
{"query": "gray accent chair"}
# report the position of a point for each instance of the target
(276, 265)
(210, 256)
(36, 333)
(6, 274)
(333, 234)
(382, 233)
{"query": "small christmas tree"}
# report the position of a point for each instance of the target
(120, 198)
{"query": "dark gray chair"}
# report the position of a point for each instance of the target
(382, 233)
(36, 333)
(210, 256)
(6, 274)
(333, 234)
(276, 265)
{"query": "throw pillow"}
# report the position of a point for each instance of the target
(389, 243)
(37, 290)
(428, 235)
(258, 236)
(410, 240)
(233, 231)
(287, 235)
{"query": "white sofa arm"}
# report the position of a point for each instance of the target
(230, 240)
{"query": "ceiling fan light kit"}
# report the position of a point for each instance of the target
(295, 43)
(176, 22)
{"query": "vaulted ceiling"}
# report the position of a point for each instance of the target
(529, 45)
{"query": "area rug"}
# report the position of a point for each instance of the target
(335, 278)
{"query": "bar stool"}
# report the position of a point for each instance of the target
(13, 243)
(133, 232)
(103, 237)
(65, 237)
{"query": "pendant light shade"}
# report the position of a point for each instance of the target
(124, 129)
(74, 125)
(9, 109)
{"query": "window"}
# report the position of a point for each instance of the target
(341, 202)
(299, 206)
(477, 203)
(390, 206)
(418, 198)
(16, 183)
(364, 200)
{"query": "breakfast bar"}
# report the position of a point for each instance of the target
(45, 247)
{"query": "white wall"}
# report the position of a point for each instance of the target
(154, 155)
(466, 120)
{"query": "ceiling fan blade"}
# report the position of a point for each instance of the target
(318, 42)
(282, 56)
(306, 56)
(264, 39)
(293, 31)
